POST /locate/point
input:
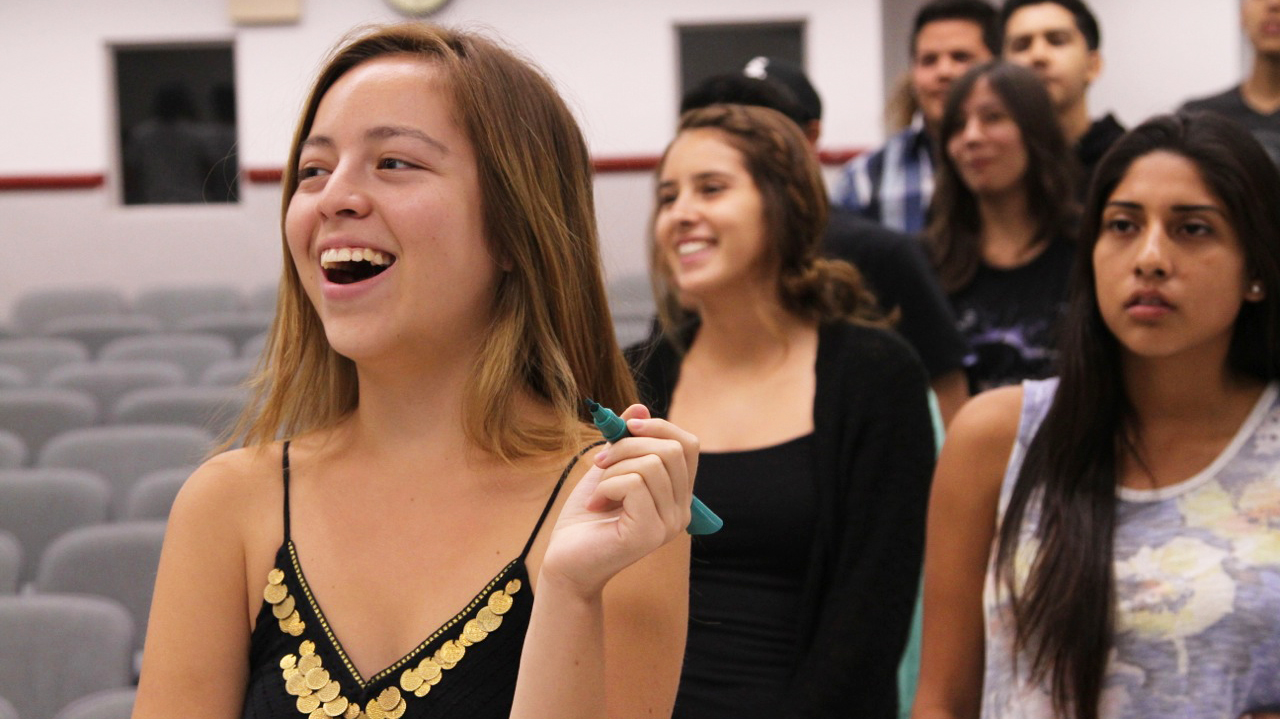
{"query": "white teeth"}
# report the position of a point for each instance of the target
(688, 248)
(331, 257)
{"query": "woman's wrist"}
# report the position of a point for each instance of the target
(564, 590)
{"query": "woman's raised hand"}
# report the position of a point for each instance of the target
(633, 500)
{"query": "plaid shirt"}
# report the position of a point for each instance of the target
(892, 185)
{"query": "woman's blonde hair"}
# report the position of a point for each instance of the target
(785, 171)
(550, 336)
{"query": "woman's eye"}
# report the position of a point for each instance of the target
(712, 189)
(1119, 225)
(666, 198)
(391, 163)
(1197, 229)
(309, 172)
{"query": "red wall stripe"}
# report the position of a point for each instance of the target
(51, 182)
(271, 175)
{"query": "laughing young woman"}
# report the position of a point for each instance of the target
(1106, 544)
(425, 541)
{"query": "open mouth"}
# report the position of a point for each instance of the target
(348, 265)
(1147, 301)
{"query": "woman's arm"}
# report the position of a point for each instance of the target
(962, 525)
(195, 663)
(601, 645)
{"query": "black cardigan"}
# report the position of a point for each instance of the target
(873, 459)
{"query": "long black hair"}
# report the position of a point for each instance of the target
(955, 227)
(1064, 615)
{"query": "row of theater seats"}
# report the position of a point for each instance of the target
(53, 387)
(53, 311)
(94, 315)
(78, 560)
(106, 406)
(75, 359)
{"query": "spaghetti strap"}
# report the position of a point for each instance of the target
(551, 501)
(284, 468)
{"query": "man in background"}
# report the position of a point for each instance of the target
(1059, 40)
(894, 184)
(1255, 103)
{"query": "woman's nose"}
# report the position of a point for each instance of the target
(344, 196)
(1152, 260)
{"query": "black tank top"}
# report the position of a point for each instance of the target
(466, 668)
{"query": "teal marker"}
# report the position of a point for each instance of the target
(614, 428)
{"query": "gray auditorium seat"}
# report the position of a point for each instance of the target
(263, 299)
(13, 451)
(631, 307)
(10, 562)
(37, 356)
(107, 382)
(37, 414)
(254, 346)
(38, 505)
(95, 331)
(36, 308)
(13, 376)
(193, 352)
(212, 408)
(55, 649)
(116, 560)
(123, 454)
(110, 704)
(239, 327)
(172, 305)
(229, 373)
(152, 496)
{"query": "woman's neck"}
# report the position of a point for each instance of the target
(746, 328)
(1008, 232)
(1178, 391)
(413, 408)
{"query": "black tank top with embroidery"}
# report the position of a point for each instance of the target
(466, 668)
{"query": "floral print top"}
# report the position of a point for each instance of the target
(1197, 569)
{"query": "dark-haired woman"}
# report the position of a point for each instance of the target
(1001, 221)
(1106, 545)
(813, 423)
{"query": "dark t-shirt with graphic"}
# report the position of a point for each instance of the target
(1010, 318)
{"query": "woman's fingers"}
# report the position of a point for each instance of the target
(650, 475)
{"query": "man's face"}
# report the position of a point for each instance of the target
(1261, 21)
(944, 50)
(1044, 37)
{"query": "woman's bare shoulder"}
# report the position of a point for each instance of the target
(980, 440)
(989, 418)
(232, 488)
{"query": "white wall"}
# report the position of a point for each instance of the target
(615, 62)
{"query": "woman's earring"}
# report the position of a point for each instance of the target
(1255, 290)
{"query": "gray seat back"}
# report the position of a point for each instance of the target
(55, 649)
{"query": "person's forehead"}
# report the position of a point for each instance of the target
(948, 33)
(1039, 18)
